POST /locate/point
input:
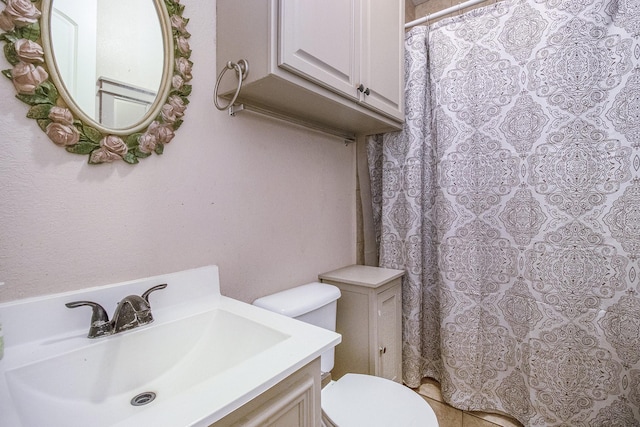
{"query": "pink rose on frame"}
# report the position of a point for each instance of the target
(183, 45)
(62, 135)
(147, 142)
(112, 148)
(183, 65)
(27, 77)
(163, 133)
(114, 144)
(177, 103)
(61, 115)
(102, 155)
(18, 13)
(29, 51)
(179, 23)
(177, 82)
(173, 109)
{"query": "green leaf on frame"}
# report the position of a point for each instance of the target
(171, 7)
(39, 111)
(130, 158)
(177, 124)
(92, 134)
(43, 123)
(185, 90)
(178, 54)
(159, 149)
(46, 93)
(132, 140)
(82, 147)
(8, 37)
(30, 32)
(174, 7)
(141, 154)
(33, 99)
(7, 74)
(10, 53)
(48, 90)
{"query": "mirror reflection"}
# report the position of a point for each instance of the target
(109, 55)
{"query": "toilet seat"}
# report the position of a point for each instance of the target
(357, 400)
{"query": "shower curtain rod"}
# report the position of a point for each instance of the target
(443, 12)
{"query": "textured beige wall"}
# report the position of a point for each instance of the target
(409, 11)
(272, 204)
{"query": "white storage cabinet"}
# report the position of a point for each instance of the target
(370, 321)
(335, 63)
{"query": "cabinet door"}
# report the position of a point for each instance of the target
(382, 56)
(390, 335)
(318, 40)
(293, 402)
(293, 408)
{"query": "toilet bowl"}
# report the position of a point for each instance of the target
(365, 400)
(354, 400)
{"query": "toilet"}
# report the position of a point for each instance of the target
(355, 400)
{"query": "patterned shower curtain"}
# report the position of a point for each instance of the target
(512, 200)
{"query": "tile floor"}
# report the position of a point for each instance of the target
(449, 416)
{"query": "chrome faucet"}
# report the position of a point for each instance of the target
(132, 311)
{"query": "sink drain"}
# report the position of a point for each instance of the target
(143, 398)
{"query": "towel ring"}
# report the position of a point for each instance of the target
(242, 69)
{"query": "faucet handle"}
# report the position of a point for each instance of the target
(100, 324)
(145, 295)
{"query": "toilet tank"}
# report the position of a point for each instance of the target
(313, 303)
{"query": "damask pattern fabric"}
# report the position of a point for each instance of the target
(512, 200)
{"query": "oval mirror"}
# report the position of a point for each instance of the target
(111, 85)
(107, 78)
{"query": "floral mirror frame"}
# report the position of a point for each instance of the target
(56, 113)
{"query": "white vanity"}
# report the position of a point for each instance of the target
(205, 360)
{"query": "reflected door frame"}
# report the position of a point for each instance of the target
(77, 45)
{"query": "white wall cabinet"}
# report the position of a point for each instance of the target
(370, 321)
(319, 43)
(293, 402)
(336, 63)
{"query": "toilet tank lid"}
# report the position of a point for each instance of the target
(300, 300)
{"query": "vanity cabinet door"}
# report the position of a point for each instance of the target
(293, 402)
(318, 41)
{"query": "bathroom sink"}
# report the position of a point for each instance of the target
(204, 356)
(97, 383)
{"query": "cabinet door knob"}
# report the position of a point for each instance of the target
(383, 350)
(364, 90)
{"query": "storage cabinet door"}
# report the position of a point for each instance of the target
(382, 56)
(318, 41)
(389, 334)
